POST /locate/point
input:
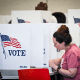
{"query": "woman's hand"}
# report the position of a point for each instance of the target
(51, 64)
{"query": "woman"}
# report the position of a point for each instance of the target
(70, 61)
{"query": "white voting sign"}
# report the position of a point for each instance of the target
(14, 46)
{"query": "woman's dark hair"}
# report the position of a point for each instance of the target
(62, 35)
(61, 18)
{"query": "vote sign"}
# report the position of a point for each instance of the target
(14, 46)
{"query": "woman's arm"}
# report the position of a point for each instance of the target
(70, 73)
(55, 61)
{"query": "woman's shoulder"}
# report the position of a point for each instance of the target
(74, 49)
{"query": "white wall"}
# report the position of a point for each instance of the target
(6, 6)
(63, 5)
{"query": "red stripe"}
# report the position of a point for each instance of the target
(14, 42)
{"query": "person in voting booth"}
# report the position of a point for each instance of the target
(69, 64)
(41, 6)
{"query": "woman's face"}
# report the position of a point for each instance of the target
(58, 45)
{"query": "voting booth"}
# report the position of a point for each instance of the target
(74, 18)
(39, 55)
(30, 41)
(31, 16)
(14, 46)
(35, 16)
(25, 45)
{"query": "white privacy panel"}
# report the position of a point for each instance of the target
(37, 45)
(46, 45)
(14, 46)
(52, 49)
(73, 14)
(76, 34)
(74, 17)
(31, 16)
(26, 16)
(47, 16)
(42, 48)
